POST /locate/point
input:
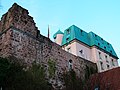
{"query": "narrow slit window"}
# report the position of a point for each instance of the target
(101, 64)
(70, 64)
(100, 57)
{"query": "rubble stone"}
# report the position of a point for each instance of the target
(20, 38)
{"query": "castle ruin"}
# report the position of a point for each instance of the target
(21, 39)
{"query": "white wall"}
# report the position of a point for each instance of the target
(72, 47)
(75, 49)
(86, 52)
(98, 60)
(58, 39)
(92, 54)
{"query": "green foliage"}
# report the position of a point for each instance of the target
(93, 71)
(89, 71)
(16, 77)
(4, 68)
(13, 77)
(72, 82)
(51, 68)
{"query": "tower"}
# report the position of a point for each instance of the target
(58, 37)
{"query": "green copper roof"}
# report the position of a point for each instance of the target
(74, 32)
(90, 39)
(58, 32)
(96, 40)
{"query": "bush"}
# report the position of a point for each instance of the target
(13, 77)
(72, 82)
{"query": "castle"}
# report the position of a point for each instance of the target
(88, 46)
(21, 41)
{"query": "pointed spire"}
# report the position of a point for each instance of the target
(48, 32)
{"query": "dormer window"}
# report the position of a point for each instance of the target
(67, 39)
(81, 32)
(96, 37)
(54, 37)
(102, 40)
(68, 31)
(104, 47)
(110, 51)
(108, 45)
(98, 44)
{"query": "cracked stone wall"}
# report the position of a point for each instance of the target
(20, 38)
(19, 18)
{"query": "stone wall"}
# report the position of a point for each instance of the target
(27, 49)
(26, 44)
(19, 18)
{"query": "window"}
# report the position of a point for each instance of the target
(96, 88)
(112, 62)
(67, 39)
(101, 64)
(98, 44)
(104, 47)
(110, 51)
(54, 37)
(108, 45)
(69, 49)
(81, 51)
(100, 57)
(96, 37)
(81, 32)
(68, 31)
(101, 39)
(108, 66)
(106, 58)
(70, 65)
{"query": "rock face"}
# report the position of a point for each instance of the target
(20, 38)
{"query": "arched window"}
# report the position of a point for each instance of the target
(70, 64)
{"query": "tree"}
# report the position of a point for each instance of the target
(14, 77)
(4, 69)
(72, 82)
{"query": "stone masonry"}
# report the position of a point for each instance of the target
(21, 39)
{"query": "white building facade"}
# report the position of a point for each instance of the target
(88, 46)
